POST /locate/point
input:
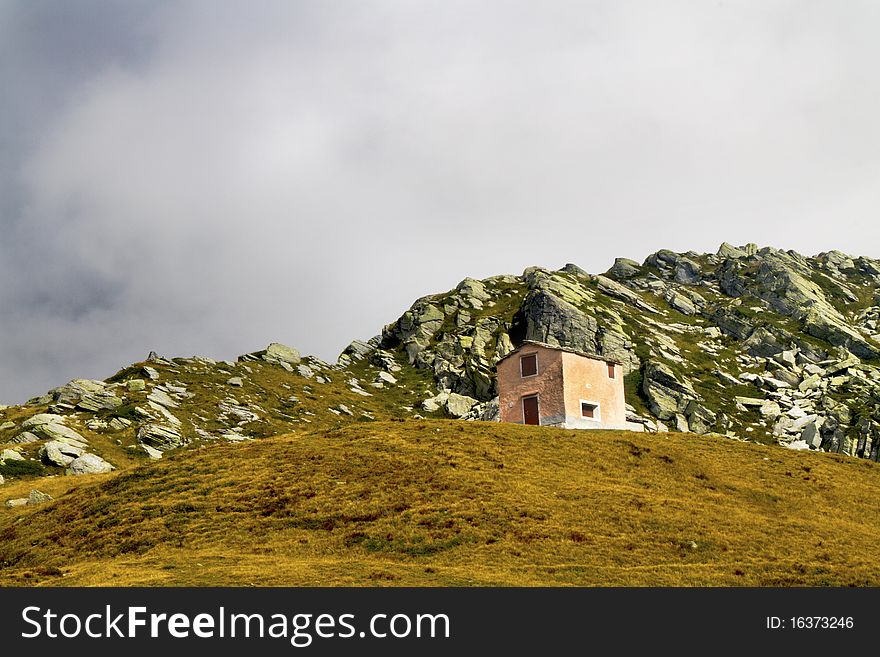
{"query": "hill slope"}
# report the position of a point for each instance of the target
(760, 345)
(446, 503)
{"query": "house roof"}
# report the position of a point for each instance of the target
(535, 343)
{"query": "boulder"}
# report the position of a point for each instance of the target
(159, 396)
(11, 455)
(811, 434)
(615, 289)
(119, 423)
(88, 464)
(357, 350)
(625, 268)
(435, 403)
(235, 381)
(487, 411)
(556, 322)
(136, 385)
(386, 377)
(472, 290)
(42, 418)
(160, 436)
(687, 272)
(459, 405)
(729, 251)
(60, 454)
(770, 410)
(681, 303)
(152, 452)
(667, 395)
(74, 391)
(763, 343)
(97, 401)
(38, 497)
(60, 432)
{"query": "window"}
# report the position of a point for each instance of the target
(590, 410)
(528, 365)
(611, 371)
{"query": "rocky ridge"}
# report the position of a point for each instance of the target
(748, 343)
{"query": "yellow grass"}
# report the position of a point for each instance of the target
(454, 503)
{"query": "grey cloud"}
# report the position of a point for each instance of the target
(198, 177)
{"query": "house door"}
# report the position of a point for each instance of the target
(530, 410)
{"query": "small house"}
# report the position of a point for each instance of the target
(555, 386)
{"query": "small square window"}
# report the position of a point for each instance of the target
(528, 365)
(611, 370)
(588, 410)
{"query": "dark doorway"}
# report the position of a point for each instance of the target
(530, 410)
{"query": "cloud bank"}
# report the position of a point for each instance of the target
(207, 177)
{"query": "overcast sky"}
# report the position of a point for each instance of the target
(208, 177)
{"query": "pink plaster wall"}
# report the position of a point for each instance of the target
(512, 387)
(587, 379)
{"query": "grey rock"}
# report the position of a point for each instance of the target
(763, 343)
(750, 401)
(151, 451)
(60, 454)
(59, 432)
(159, 396)
(485, 411)
(357, 350)
(687, 272)
(38, 497)
(160, 436)
(811, 434)
(556, 322)
(119, 423)
(681, 303)
(625, 268)
(305, 371)
(11, 455)
(74, 391)
(473, 290)
(728, 251)
(277, 353)
(386, 377)
(136, 385)
(235, 381)
(699, 418)
(42, 418)
(615, 289)
(26, 437)
(435, 403)
(667, 395)
(98, 401)
(88, 464)
(571, 268)
(459, 405)
(770, 410)
(18, 501)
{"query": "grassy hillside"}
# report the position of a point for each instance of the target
(440, 502)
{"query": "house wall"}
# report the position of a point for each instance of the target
(587, 379)
(547, 385)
